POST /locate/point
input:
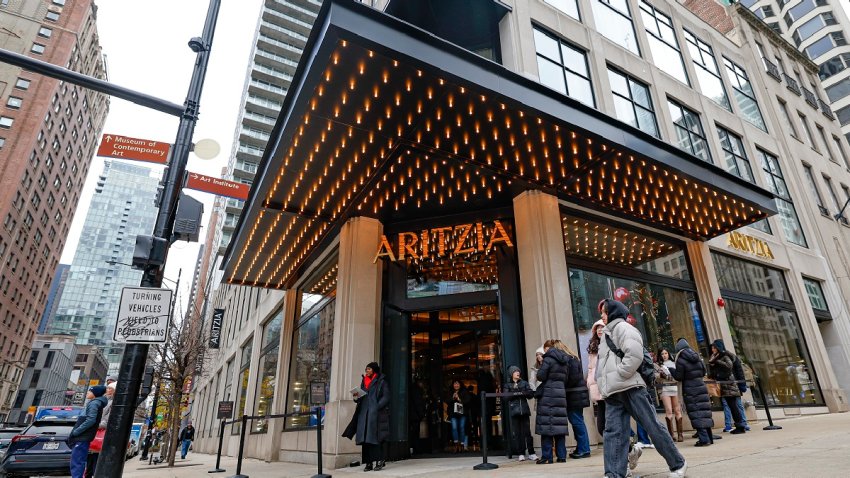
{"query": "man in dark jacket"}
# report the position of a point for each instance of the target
(625, 396)
(373, 420)
(690, 370)
(85, 429)
(722, 365)
(187, 436)
(551, 421)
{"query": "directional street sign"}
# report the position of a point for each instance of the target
(221, 187)
(143, 315)
(124, 147)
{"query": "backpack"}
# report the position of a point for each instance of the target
(646, 369)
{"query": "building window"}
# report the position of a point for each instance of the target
(817, 299)
(311, 356)
(838, 146)
(689, 133)
(813, 189)
(663, 42)
(808, 131)
(826, 148)
(614, 21)
(22, 84)
(45, 32)
(835, 201)
(786, 117)
(6, 122)
(708, 75)
(734, 153)
(267, 377)
(570, 7)
(37, 48)
(633, 102)
(244, 373)
(563, 67)
(838, 90)
(834, 65)
(14, 102)
(787, 213)
(806, 30)
(743, 93)
(767, 335)
(52, 16)
(825, 44)
(2, 142)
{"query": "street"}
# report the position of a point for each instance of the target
(805, 447)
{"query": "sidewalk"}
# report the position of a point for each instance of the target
(805, 447)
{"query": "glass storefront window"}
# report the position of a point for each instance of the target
(749, 278)
(244, 372)
(268, 371)
(311, 360)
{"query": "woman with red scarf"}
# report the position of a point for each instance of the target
(372, 417)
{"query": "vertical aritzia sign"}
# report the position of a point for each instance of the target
(215, 328)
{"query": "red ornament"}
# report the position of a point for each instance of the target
(631, 319)
(720, 302)
(621, 294)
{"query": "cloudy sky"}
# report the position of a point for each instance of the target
(145, 44)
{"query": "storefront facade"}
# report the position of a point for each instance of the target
(444, 215)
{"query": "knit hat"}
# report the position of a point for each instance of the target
(112, 385)
(540, 351)
(375, 367)
(98, 390)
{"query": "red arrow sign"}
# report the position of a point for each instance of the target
(124, 147)
(220, 187)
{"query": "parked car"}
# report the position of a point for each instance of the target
(40, 449)
(6, 435)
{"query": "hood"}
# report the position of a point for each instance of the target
(596, 325)
(616, 310)
(721, 347)
(511, 370)
(682, 344)
(558, 355)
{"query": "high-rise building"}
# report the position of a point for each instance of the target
(820, 29)
(46, 380)
(121, 208)
(48, 135)
(56, 288)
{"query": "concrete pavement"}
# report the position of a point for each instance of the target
(809, 446)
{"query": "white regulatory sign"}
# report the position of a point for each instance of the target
(143, 315)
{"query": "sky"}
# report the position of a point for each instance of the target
(146, 49)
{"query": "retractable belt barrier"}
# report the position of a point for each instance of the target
(244, 420)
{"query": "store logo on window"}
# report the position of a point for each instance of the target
(753, 245)
(444, 241)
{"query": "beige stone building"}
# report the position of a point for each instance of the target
(443, 203)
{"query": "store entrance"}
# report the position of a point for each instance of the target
(460, 344)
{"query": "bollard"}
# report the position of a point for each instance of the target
(319, 443)
(241, 448)
(770, 426)
(218, 468)
(484, 465)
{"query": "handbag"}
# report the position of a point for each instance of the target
(96, 445)
(457, 408)
(713, 389)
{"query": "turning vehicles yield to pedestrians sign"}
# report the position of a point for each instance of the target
(144, 315)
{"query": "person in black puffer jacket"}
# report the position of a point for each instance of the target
(578, 398)
(519, 411)
(690, 370)
(551, 422)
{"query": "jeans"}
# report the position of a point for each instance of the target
(704, 435)
(79, 455)
(459, 429)
(560, 442)
(186, 444)
(736, 409)
(580, 431)
(727, 414)
(642, 436)
(634, 403)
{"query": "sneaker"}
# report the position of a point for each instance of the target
(646, 445)
(747, 427)
(521, 458)
(680, 472)
(727, 429)
(737, 431)
(634, 456)
(532, 457)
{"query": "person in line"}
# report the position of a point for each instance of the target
(721, 365)
(187, 436)
(370, 425)
(690, 370)
(669, 392)
(625, 395)
(740, 376)
(552, 418)
(520, 413)
(91, 462)
(592, 356)
(577, 400)
(459, 403)
(85, 429)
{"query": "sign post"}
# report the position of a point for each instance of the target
(136, 149)
(225, 410)
(144, 315)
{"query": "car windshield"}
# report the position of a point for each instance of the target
(48, 429)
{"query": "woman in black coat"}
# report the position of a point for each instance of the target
(578, 398)
(690, 371)
(552, 420)
(519, 411)
(373, 417)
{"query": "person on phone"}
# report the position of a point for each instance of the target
(459, 402)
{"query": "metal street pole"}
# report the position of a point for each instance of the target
(111, 461)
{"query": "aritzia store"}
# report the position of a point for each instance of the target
(430, 209)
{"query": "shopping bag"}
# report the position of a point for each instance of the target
(97, 444)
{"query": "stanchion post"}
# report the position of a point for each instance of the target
(770, 425)
(241, 448)
(319, 444)
(484, 465)
(218, 468)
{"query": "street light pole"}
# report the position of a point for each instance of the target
(111, 461)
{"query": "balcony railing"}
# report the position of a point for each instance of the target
(792, 84)
(772, 69)
(826, 110)
(824, 211)
(810, 97)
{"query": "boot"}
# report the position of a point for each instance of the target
(368, 467)
(679, 436)
(670, 427)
